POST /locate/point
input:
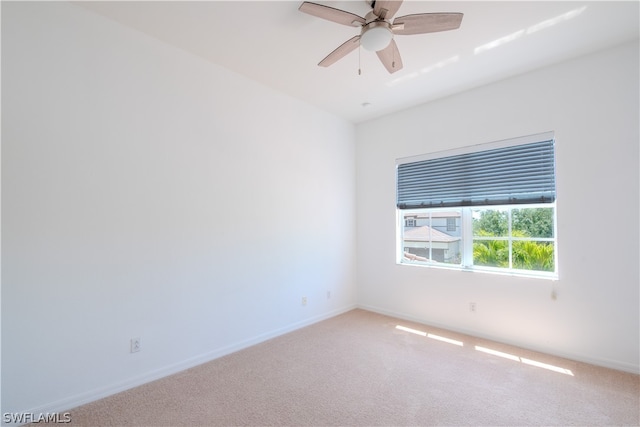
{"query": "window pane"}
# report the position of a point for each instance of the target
(432, 237)
(490, 223)
(532, 222)
(491, 253)
(416, 240)
(446, 242)
(529, 255)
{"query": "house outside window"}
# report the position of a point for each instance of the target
(429, 241)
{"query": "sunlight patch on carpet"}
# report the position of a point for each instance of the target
(489, 351)
(525, 361)
(432, 336)
(498, 353)
(412, 331)
(547, 366)
(443, 339)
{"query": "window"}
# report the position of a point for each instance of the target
(489, 207)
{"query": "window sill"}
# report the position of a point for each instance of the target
(487, 270)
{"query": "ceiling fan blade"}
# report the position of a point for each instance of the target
(422, 23)
(345, 48)
(385, 9)
(332, 14)
(390, 57)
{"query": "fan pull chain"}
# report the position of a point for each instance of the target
(393, 59)
(359, 65)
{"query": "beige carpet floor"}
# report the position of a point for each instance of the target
(360, 369)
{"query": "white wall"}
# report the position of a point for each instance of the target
(148, 193)
(592, 105)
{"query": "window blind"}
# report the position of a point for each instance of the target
(517, 174)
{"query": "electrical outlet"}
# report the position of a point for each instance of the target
(136, 345)
(304, 300)
(472, 307)
(328, 294)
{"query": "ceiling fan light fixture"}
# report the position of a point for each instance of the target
(376, 35)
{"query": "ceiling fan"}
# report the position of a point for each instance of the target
(377, 30)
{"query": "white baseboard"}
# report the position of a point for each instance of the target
(64, 405)
(605, 363)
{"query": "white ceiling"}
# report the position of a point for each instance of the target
(275, 44)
